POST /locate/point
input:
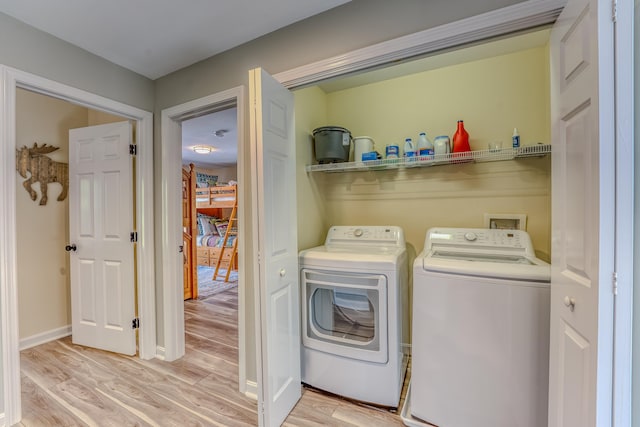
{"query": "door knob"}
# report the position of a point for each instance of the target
(71, 247)
(570, 303)
(283, 272)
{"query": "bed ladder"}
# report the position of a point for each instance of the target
(234, 247)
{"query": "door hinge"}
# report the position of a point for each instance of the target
(135, 323)
(615, 283)
(133, 149)
(614, 10)
(133, 236)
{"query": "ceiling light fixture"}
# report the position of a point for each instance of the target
(202, 149)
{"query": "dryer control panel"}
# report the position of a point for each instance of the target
(365, 235)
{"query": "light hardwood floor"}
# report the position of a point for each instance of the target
(68, 385)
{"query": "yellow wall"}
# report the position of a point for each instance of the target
(492, 95)
(43, 265)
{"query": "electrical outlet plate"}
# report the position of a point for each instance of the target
(506, 221)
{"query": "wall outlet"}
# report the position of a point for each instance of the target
(506, 221)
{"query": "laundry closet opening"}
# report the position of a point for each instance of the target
(494, 86)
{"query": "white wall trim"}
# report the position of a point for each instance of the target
(251, 390)
(521, 16)
(45, 337)
(173, 297)
(160, 352)
(10, 79)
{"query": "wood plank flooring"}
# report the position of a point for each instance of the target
(68, 385)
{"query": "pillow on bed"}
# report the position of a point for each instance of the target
(221, 226)
(206, 225)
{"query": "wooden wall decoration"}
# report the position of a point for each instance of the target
(42, 169)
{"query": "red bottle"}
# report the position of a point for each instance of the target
(460, 139)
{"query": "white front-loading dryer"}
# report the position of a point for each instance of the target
(352, 316)
(480, 342)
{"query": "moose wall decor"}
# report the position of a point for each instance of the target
(42, 169)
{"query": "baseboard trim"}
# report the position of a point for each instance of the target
(160, 352)
(44, 337)
(251, 390)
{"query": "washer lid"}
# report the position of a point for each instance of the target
(499, 266)
(480, 252)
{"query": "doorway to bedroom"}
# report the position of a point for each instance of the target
(209, 203)
(210, 232)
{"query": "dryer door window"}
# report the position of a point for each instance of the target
(346, 314)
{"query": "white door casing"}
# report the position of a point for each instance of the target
(10, 80)
(278, 322)
(100, 223)
(171, 223)
(581, 344)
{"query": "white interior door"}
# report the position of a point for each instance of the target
(274, 177)
(100, 223)
(582, 91)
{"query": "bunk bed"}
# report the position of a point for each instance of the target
(208, 212)
(216, 241)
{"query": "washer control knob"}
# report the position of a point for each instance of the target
(358, 232)
(472, 237)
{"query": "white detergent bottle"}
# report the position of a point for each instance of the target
(516, 138)
(425, 146)
(409, 148)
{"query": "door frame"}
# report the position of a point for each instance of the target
(624, 216)
(171, 163)
(10, 80)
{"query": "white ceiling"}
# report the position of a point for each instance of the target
(157, 37)
(201, 131)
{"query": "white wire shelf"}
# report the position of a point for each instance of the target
(538, 150)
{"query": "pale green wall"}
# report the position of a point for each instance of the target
(492, 96)
(311, 113)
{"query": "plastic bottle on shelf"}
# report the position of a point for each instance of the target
(425, 146)
(516, 138)
(460, 139)
(409, 148)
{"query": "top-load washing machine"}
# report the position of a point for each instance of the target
(352, 289)
(480, 347)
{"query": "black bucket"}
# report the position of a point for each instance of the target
(332, 144)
